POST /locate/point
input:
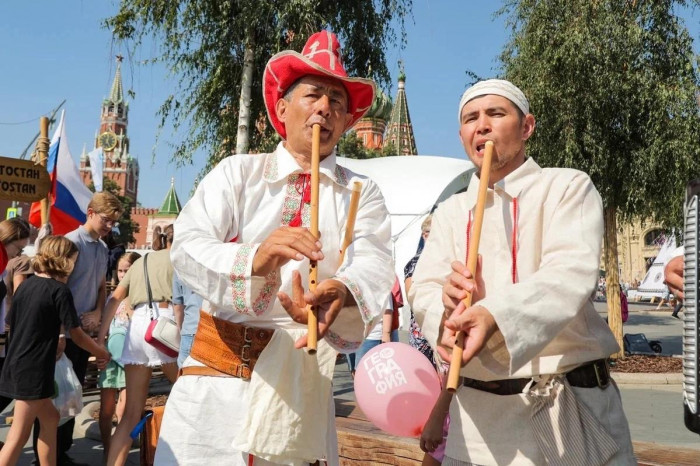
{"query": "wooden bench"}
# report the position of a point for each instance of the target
(360, 443)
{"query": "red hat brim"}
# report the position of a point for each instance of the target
(288, 66)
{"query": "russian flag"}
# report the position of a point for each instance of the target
(69, 195)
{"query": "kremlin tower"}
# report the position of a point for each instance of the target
(118, 164)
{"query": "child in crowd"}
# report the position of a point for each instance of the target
(28, 375)
(112, 379)
(434, 436)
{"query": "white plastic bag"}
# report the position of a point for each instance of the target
(69, 392)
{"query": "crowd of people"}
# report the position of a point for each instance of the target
(534, 384)
(55, 304)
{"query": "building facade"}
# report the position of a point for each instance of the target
(638, 244)
(150, 218)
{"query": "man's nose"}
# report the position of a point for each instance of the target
(483, 124)
(323, 106)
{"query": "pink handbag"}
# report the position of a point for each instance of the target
(162, 332)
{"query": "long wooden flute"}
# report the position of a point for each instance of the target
(312, 340)
(472, 257)
(352, 215)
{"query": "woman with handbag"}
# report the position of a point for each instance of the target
(148, 285)
(112, 378)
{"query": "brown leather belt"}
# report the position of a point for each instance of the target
(593, 374)
(226, 348)
(202, 370)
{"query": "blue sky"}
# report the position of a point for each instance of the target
(55, 50)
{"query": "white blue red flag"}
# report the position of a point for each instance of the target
(96, 161)
(69, 195)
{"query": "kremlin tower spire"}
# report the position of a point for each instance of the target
(399, 130)
(118, 163)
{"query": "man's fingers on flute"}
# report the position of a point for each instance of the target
(301, 342)
(297, 313)
(473, 343)
(307, 245)
(327, 318)
(297, 289)
(461, 283)
(444, 353)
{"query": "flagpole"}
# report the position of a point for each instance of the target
(42, 149)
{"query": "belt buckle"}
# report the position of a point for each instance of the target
(598, 376)
(248, 335)
(245, 353)
(239, 371)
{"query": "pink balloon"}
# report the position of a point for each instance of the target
(396, 387)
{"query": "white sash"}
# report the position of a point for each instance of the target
(287, 420)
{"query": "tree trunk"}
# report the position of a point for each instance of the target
(244, 102)
(612, 278)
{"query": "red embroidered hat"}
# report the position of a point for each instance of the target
(321, 57)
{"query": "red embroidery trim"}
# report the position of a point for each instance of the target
(303, 187)
(514, 240)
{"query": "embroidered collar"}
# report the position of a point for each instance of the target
(280, 164)
(511, 185)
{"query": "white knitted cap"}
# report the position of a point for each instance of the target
(496, 87)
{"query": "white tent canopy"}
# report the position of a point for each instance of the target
(411, 186)
(653, 285)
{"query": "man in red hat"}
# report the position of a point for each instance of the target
(248, 394)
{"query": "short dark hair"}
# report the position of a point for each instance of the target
(288, 92)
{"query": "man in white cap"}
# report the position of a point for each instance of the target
(535, 385)
(249, 393)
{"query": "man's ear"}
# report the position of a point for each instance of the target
(281, 109)
(528, 126)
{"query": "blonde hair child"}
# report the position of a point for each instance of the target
(28, 374)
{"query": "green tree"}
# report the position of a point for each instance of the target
(388, 149)
(127, 227)
(218, 50)
(351, 146)
(613, 86)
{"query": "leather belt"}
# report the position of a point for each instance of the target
(203, 370)
(593, 374)
(226, 348)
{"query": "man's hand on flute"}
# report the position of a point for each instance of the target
(673, 276)
(330, 296)
(476, 322)
(459, 284)
(285, 244)
(478, 326)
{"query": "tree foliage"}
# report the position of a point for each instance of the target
(351, 146)
(613, 85)
(202, 42)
